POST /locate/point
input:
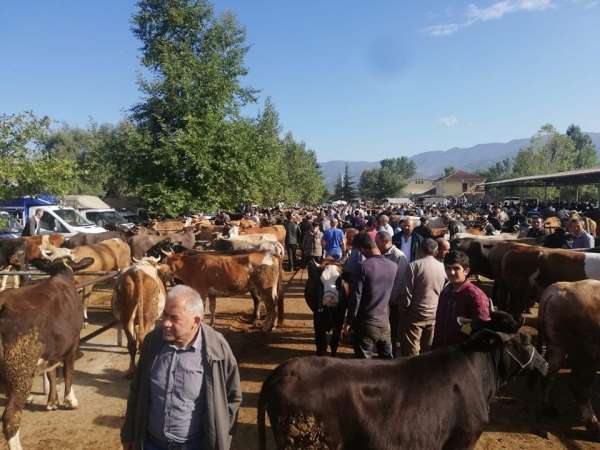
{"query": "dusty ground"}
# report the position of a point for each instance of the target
(102, 389)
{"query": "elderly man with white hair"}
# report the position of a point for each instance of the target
(186, 390)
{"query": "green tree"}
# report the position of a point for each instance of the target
(449, 171)
(585, 150)
(499, 171)
(349, 187)
(388, 180)
(25, 167)
(338, 188)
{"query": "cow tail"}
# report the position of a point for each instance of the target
(138, 292)
(280, 294)
(541, 344)
(262, 431)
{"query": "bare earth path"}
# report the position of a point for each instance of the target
(102, 389)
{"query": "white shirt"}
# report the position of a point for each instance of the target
(405, 246)
(387, 228)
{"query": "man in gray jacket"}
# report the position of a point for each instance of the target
(425, 279)
(383, 239)
(186, 389)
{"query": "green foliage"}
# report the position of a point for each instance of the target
(192, 150)
(388, 180)
(499, 171)
(25, 167)
(349, 186)
(448, 171)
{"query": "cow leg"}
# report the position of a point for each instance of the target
(256, 310)
(280, 300)
(212, 302)
(555, 357)
(53, 394)
(4, 281)
(132, 349)
(320, 333)
(71, 401)
(270, 304)
(16, 281)
(85, 298)
(582, 380)
(20, 361)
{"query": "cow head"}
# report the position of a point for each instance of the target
(324, 284)
(51, 253)
(512, 351)
(62, 265)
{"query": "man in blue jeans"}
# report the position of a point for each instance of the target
(333, 241)
(368, 306)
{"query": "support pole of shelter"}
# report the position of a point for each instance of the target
(577, 194)
(545, 193)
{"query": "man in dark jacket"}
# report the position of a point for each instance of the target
(407, 241)
(186, 389)
(423, 230)
(368, 315)
(292, 236)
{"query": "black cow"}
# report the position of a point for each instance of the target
(326, 297)
(439, 400)
(13, 254)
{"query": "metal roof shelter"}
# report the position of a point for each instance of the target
(570, 178)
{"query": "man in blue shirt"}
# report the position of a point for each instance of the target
(333, 241)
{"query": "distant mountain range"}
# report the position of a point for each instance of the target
(432, 164)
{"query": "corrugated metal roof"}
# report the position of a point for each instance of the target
(571, 177)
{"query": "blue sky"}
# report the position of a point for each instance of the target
(355, 80)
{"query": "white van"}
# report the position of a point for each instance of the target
(97, 211)
(64, 220)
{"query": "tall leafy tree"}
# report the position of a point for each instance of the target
(388, 180)
(449, 171)
(349, 186)
(585, 150)
(25, 167)
(338, 189)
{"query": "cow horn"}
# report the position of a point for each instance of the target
(155, 260)
(135, 260)
(167, 253)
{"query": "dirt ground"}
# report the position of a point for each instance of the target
(102, 389)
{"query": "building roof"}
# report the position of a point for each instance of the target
(461, 175)
(570, 178)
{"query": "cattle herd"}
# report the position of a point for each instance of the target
(435, 400)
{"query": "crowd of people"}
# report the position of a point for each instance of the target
(407, 289)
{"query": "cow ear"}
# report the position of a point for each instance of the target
(485, 341)
(82, 264)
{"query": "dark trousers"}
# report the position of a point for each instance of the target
(395, 329)
(371, 341)
(291, 254)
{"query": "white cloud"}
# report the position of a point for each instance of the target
(442, 30)
(449, 121)
(498, 10)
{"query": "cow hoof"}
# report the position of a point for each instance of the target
(30, 400)
(85, 324)
(51, 406)
(71, 405)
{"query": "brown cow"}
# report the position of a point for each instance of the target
(232, 273)
(39, 326)
(138, 302)
(527, 270)
(569, 318)
(166, 227)
(277, 230)
(113, 254)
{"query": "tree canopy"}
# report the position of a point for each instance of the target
(186, 146)
(388, 180)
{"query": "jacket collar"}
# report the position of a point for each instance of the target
(212, 344)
